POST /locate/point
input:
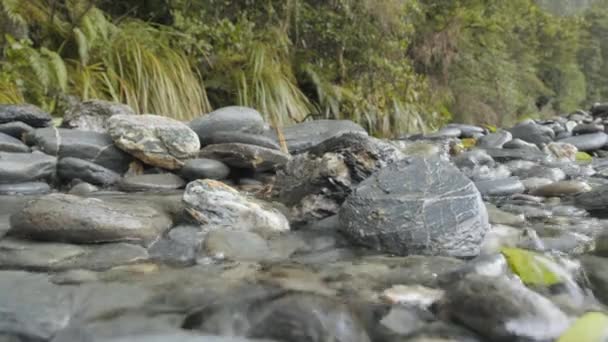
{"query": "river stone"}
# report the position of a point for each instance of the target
(425, 206)
(468, 131)
(588, 142)
(587, 128)
(531, 184)
(473, 158)
(214, 203)
(202, 168)
(83, 188)
(179, 247)
(561, 151)
(316, 183)
(596, 199)
(153, 139)
(95, 147)
(446, 132)
(10, 144)
(25, 113)
(502, 309)
(69, 218)
(28, 188)
(508, 154)
(533, 133)
(25, 167)
(243, 138)
(540, 171)
(497, 216)
(600, 110)
(495, 140)
(15, 129)
(228, 119)
(236, 245)
(93, 115)
(596, 270)
(562, 188)
(246, 156)
(520, 144)
(303, 136)
(500, 187)
(73, 168)
(151, 182)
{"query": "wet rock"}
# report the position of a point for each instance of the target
(499, 237)
(202, 168)
(179, 247)
(500, 187)
(242, 138)
(588, 142)
(599, 110)
(212, 202)
(587, 128)
(533, 133)
(152, 182)
(10, 144)
(73, 168)
(83, 188)
(495, 140)
(25, 113)
(442, 332)
(153, 139)
(508, 154)
(28, 188)
(414, 295)
(410, 207)
(25, 167)
(236, 245)
(15, 129)
(93, 115)
(246, 156)
(316, 183)
(68, 218)
(303, 136)
(540, 171)
(562, 188)
(485, 173)
(473, 158)
(468, 131)
(446, 132)
(596, 269)
(529, 212)
(228, 119)
(497, 216)
(95, 147)
(562, 151)
(596, 199)
(531, 184)
(520, 144)
(500, 309)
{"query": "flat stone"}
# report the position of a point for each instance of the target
(500, 187)
(468, 131)
(508, 154)
(228, 119)
(69, 218)
(497, 216)
(303, 136)
(495, 140)
(214, 203)
(83, 188)
(246, 156)
(562, 151)
(237, 246)
(533, 183)
(25, 167)
(10, 144)
(152, 182)
(179, 247)
(25, 113)
(588, 142)
(596, 199)
(202, 168)
(242, 138)
(585, 128)
(28, 188)
(596, 270)
(153, 139)
(473, 158)
(562, 188)
(95, 147)
(520, 144)
(70, 168)
(15, 129)
(540, 171)
(533, 133)
(92, 115)
(425, 206)
(446, 132)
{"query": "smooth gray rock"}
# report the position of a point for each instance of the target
(508, 154)
(502, 309)
(520, 144)
(531, 184)
(533, 133)
(202, 168)
(236, 246)
(585, 128)
(26, 167)
(242, 138)
(495, 140)
(83, 188)
(540, 171)
(179, 247)
(500, 187)
(468, 131)
(73, 168)
(316, 183)
(473, 158)
(303, 136)
(497, 216)
(228, 119)
(561, 151)
(562, 188)
(10, 144)
(28, 188)
(529, 211)
(596, 270)
(425, 206)
(69, 218)
(25, 113)
(152, 182)
(246, 156)
(214, 203)
(596, 199)
(600, 110)
(95, 147)
(588, 142)
(446, 132)
(15, 129)
(153, 139)
(92, 115)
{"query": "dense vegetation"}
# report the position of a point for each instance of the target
(392, 65)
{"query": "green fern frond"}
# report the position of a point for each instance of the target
(57, 69)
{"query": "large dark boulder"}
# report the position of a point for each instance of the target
(422, 206)
(26, 167)
(228, 119)
(25, 113)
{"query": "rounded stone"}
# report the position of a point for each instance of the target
(25, 113)
(29, 188)
(533, 133)
(228, 119)
(152, 182)
(500, 187)
(73, 168)
(243, 138)
(588, 142)
(562, 188)
(202, 168)
(495, 140)
(153, 139)
(303, 136)
(25, 167)
(92, 115)
(10, 144)
(15, 129)
(244, 156)
(422, 206)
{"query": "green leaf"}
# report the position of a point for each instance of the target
(533, 268)
(591, 327)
